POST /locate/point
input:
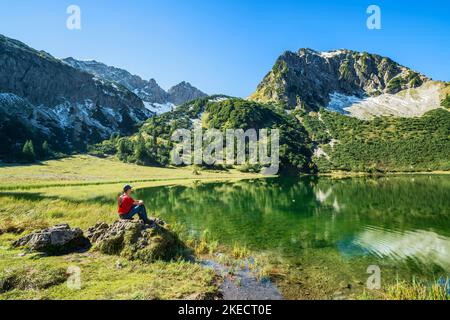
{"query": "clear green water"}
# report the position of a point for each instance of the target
(401, 223)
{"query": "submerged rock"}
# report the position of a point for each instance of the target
(135, 240)
(242, 283)
(57, 239)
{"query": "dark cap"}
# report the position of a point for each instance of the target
(127, 187)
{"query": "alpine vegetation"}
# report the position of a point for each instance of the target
(208, 147)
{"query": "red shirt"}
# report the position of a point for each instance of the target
(125, 203)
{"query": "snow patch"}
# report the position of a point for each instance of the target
(110, 112)
(9, 98)
(218, 99)
(331, 54)
(339, 102)
(62, 113)
(407, 103)
(159, 108)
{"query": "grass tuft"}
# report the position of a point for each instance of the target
(403, 290)
(31, 278)
(240, 252)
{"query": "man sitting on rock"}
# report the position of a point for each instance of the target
(128, 207)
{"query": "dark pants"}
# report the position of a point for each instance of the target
(136, 210)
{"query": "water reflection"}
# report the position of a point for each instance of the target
(420, 245)
(396, 217)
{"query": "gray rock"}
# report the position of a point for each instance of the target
(102, 233)
(132, 239)
(184, 92)
(101, 230)
(56, 239)
(149, 91)
(307, 78)
(97, 231)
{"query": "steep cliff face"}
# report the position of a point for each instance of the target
(184, 92)
(154, 97)
(56, 102)
(309, 79)
(148, 91)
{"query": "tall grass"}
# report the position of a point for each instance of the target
(402, 290)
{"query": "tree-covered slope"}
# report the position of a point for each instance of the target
(309, 142)
(152, 145)
(382, 144)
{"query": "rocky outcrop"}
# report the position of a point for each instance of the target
(57, 239)
(184, 92)
(135, 240)
(148, 91)
(309, 79)
(128, 238)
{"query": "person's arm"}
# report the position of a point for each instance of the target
(135, 202)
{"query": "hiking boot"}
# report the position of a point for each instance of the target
(149, 222)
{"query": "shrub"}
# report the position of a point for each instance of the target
(28, 153)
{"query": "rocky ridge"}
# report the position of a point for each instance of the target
(155, 98)
(338, 79)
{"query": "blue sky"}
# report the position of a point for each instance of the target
(227, 46)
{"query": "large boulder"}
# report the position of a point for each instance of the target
(57, 239)
(135, 240)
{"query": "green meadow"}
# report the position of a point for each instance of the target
(213, 211)
(82, 190)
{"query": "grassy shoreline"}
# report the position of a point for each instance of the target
(72, 191)
(81, 191)
(353, 174)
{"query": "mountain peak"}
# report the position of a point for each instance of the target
(182, 84)
(184, 92)
(306, 51)
(308, 79)
(149, 91)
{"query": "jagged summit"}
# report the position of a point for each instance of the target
(155, 98)
(184, 92)
(357, 83)
(148, 91)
